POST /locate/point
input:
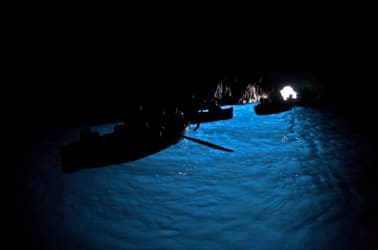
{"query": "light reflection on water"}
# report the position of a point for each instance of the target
(290, 184)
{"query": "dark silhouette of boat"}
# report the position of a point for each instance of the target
(212, 114)
(124, 144)
(272, 107)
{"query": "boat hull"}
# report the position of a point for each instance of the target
(211, 116)
(115, 148)
(272, 108)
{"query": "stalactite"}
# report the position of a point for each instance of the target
(252, 93)
(223, 90)
(227, 90)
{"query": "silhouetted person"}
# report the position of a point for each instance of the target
(214, 106)
(276, 96)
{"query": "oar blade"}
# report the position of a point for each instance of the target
(211, 145)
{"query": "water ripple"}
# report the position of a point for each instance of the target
(291, 183)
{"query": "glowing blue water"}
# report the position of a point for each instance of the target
(290, 184)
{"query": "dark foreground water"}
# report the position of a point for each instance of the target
(297, 180)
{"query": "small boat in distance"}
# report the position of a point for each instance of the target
(211, 115)
(267, 107)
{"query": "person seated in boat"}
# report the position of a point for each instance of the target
(214, 106)
(276, 96)
(262, 100)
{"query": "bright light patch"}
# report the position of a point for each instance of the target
(287, 91)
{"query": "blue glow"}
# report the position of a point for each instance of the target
(290, 184)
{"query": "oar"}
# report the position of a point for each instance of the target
(211, 145)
